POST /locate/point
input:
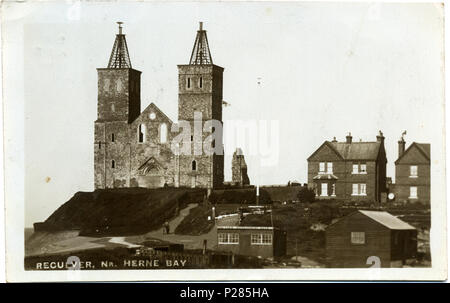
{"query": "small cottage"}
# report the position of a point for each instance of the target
(262, 241)
(370, 238)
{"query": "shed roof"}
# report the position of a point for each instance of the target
(387, 219)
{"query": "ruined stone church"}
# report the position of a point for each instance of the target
(133, 148)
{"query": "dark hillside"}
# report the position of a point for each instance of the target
(120, 211)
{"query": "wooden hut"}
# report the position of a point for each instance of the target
(363, 238)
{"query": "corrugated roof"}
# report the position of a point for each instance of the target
(388, 220)
(357, 150)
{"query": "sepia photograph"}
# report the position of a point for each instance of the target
(224, 140)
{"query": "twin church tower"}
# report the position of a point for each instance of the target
(133, 148)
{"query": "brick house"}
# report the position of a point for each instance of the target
(349, 170)
(412, 173)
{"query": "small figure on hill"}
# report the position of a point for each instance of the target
(166, 227)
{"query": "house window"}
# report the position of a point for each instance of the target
(363, 169)
(358, 237)
(413, 171)
(200, 82)
(112, 138)
(355, 169)
(322, 167)
(330, 167)
(228, 238)
(324, 189)
(354, 189)
(333, 189)
(261, 239)
(188, 84)
(163, 133)
(141, 133)
(362, 189)
(194, 165)
(113, 164)
(413, 192)
(359, 189)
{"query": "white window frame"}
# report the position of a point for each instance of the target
(362, 189)
(413, 171)
(330, 167)
(333, 189)
(355, 192)
(355, 169)
(358, 237)
(261, 239)
(416, 196)
(228, 238)
(322, 168)
(361, 170)
(322, 189)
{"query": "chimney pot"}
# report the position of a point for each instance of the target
(349, 138)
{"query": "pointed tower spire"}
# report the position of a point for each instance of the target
(119, 55)
(200, 53)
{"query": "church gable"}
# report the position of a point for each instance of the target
(325, 153)
(152, 126)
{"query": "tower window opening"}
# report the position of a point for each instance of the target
(201, 82)
(141, 133)
(112, 138)
(188, 82)
(192, 138)
(194, 165)
(113, 164)
(163, 133)
(113, 107)
(99, 145)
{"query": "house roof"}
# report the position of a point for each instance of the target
(424, 148)
(387, 220)
(357, 150)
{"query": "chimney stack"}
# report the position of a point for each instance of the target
(349, 138)
(334, 139)
(380, 137)
(401, 146)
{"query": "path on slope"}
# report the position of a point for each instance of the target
(189, 241)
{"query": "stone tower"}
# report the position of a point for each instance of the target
(200, 91)
(239, 169)
(118, 104)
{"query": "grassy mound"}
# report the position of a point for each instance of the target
(196, 222)
(121, 211)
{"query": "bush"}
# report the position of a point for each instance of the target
(306, 195)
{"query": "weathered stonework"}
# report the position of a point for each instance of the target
(239, 169)
(132, 148)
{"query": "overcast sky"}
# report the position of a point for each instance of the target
(326, 69)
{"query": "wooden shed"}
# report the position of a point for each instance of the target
(363, 237)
